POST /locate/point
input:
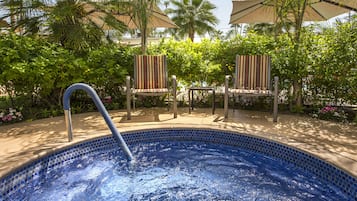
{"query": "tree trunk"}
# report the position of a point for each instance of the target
(143, 40)
(191, 35)
(297, 93)
(144, 9)
(297, 82)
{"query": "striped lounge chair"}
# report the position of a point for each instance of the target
(150, 79)
(252, 78)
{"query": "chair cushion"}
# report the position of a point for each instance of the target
(150, 72)
(161, 90)
(251, 92)
(252, 72)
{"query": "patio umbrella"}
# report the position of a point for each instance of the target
(96, 16)
(3, 23)
(260, 11)
(157, 18)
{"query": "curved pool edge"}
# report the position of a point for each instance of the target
(261, 136)
(299, 145)
(334, 142)
(127, 130)
(305, 157)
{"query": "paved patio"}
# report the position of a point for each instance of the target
(334, 142)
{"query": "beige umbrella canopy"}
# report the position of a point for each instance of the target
(157, 18)
(154, 18)
(3, 23)
(97, 17)
(260, 11)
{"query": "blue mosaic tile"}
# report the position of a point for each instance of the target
(17, 179)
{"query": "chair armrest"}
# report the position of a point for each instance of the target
(174, 82)
(226, 80)
(128, 83)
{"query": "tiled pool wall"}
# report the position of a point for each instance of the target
(37, 169)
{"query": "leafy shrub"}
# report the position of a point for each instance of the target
(191, 62)
(36, 70)
(107, 68)
(36, 73)
(333, 72)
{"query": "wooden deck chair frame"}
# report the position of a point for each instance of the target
(252, 78)
(150, 79)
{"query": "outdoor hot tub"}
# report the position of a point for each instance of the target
(179, 164)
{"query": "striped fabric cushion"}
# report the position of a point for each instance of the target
(150, 72)
(251, 92)
(163, 90)
(253, 72)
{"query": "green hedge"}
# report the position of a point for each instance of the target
(36, 72)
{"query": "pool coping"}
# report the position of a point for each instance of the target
(163, 127)
(214, 122)
(246, 134)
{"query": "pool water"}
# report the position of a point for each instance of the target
(178, 170)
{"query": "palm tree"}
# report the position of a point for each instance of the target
(79, 26)
(193, 17)
(17, 13)
(75, 24)
(139, 12)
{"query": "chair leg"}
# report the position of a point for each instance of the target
(134, 102)
(128, 96)
(168, 100)
(174, 83)
(276, 93)
(226, 95)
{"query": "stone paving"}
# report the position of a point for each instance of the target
(333, 142)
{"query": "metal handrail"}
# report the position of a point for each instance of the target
(91, 92)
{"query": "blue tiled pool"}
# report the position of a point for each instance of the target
(39, 177)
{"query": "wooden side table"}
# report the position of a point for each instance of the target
(190, 97)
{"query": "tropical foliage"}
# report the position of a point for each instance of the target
(35, 73)
(35, 70)
(76, 25)
(335, 70)
(191, 62)
(140, 12)
(80, 25)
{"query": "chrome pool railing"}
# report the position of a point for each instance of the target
(91, 92)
